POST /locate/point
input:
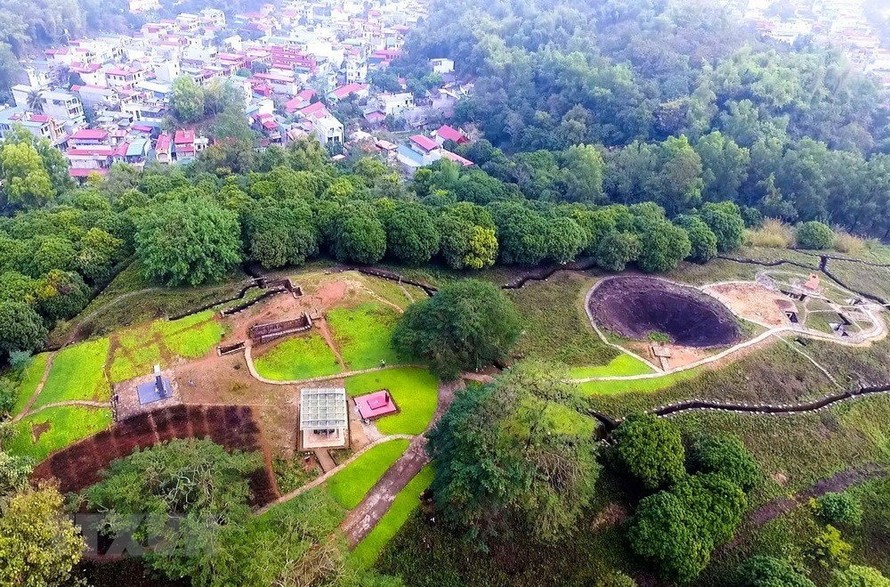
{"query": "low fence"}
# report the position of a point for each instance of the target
(261, 333)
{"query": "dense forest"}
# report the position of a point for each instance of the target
(686, 104)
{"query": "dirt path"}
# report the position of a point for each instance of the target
(322, 325)
(33, 398)
(74, 402)
(780, 506)
(377, 502)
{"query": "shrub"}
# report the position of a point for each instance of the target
(773, 234)
(839, 508)
(814, 235)
(830, 550)
(616, 579)
(848, 243)
(766, 571)
(859, 576)
(650, 450)
(726, 456)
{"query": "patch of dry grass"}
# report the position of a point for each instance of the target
(773, 234)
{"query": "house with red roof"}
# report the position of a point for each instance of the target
(314, 111)
(357, 90)
(447, 133)
(298, 102)
(164, 149)
(89, 136)
(85, 160)
(462, 161)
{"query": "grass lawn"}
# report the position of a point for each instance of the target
(637, 385)
(132, 362)
(30, 379)
(196, 342)
(77, 373)
(405, 503)
(363, 335)
(621, 365)
(555, 324)
(349, 486)
(415, 392)
(67, 425)
(298, 357)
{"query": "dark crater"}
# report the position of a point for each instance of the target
(635, 307)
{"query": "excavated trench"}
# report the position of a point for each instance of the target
(636, 307)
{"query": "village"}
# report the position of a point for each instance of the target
(106, 100)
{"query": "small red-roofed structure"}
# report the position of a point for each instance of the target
(375, 405)
(425, 143)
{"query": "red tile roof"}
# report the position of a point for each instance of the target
(90, 134)
(184, 136)
(451, 134)
(347, 90)
(317, 110)
(163, 143)
(456, 158)
(424, 142)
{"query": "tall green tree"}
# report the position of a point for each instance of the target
(190, 242)
(187, 100)
(467, 325)
(650, 450)
(512, 452)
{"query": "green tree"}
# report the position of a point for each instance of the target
(54, 252)
(662, 244)
(280, 233)
(412, 236)
(616, 579)
(521, 233)
(581, 175)
(727, 456)
(725, 220)
(725, 166)
(839, 509)
(26, 182)
(565, 239)
(859, 576)
(196, 480)
(701, 238)
(358, 235)
(187, 100)
(14, 470)
(467, 325)
(678, 529)
(650, 450)
(191, 242)
(61, 295)
(21, 328)
(98, 252)
(616, 250)
(829, 550)
(814, 235)
(468, 236)
(766, 571)
(512, 450)
(39, 545)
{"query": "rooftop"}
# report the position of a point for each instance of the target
(323, 407)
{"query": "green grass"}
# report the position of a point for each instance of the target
(555, 324)
(77, 373)
(363, 335)
(67, 425)
(132, 362)
(405, 503)
(30, 379)
(168, 328)
(194, 343)
(349, 486)
(415, 392)
(637, 385)
(298, 357)
(620, 366)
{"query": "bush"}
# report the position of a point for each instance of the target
(766, 571)
(726, 456)
(830, 550)
(814, 235)
(773, 234)
(725, 219)
(701, 238)
(848, 243)
(616, 579)
(859, 576)
(650, 450)
(839, 508)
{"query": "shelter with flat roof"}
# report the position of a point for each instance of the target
(374, 405)
(324, 418)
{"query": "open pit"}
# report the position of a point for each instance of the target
(640, 308)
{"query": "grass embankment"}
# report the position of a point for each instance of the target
(555, 323)
(363, 335)
(131, 299)
(349, 486)
(28, 381)
(406, 502)
(77, 373)
(415, 392)
(136, 350)
(52, 429)
(299, 357)
(621, 366)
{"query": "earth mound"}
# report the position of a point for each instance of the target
(636, 307)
